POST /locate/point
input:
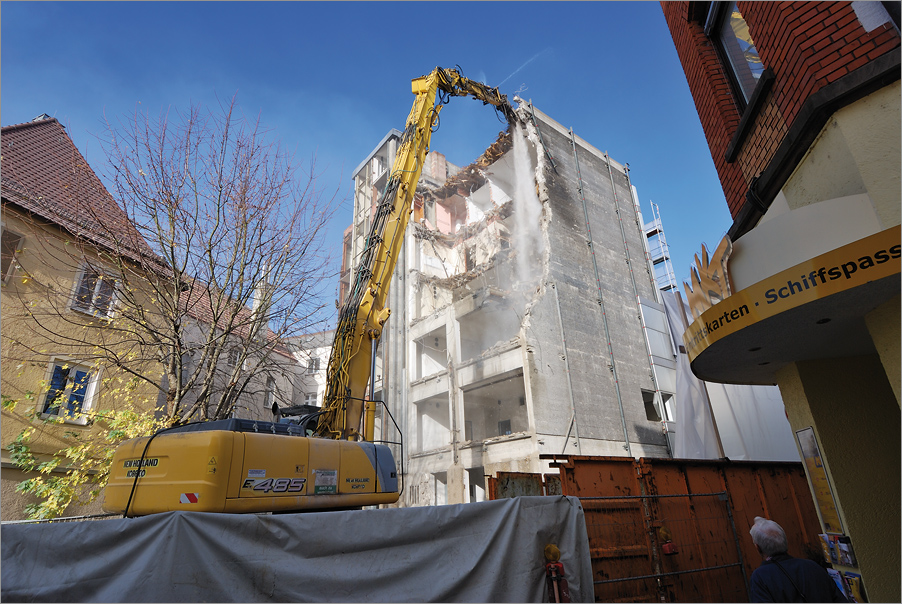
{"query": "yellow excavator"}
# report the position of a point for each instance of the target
(327, 460)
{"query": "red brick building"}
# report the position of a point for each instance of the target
(800, 104)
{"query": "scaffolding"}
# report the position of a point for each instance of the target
(659, 251)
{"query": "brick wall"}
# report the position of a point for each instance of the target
(808, 45)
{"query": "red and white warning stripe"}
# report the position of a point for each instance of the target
(188, 498)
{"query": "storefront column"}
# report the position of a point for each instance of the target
(884, 326)
(855, 415)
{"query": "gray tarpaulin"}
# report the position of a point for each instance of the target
(476, 552)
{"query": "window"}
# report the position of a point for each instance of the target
(71, 392)
(470, 258)
(310, 399)
(233, 357)
(653, 410)
(730, 33)
(270, 393)
(11, 244)
(313, 365)
(441, 488)
(95, 294)
(504, 427)
(187, 358)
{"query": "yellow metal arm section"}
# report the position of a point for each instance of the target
(364, 313)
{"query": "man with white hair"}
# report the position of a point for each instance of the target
(782, 578)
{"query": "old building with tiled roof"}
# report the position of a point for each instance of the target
(60, 231)
(92, 316)
(42, 171)
(279, 377)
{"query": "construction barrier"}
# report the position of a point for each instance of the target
(672, 530)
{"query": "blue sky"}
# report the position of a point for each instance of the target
(330, 79)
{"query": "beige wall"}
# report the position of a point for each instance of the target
(38, 325)
(846, 188)
(855, 416)
(14, 503)
(884, 326)
(858, 151)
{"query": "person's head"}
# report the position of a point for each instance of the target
(768, 537)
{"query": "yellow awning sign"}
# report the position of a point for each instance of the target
(844, 268)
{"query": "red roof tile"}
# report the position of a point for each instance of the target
(44, 173)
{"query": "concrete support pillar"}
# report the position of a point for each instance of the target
(884, 326)
(457, 484)
(850, 404)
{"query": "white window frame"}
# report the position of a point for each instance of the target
(92, 309)
(90, 396)
(311, 399)
(14, 259)
(233, 354)
(269, 394)
(313, 365)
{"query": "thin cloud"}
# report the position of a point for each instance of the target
(520, 68)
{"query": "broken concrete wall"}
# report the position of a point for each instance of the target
(501, 346)
(587, 357)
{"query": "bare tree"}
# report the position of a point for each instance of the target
(179, 283)
(216, 256)
(239, 231)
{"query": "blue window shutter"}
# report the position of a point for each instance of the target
(57, 385)
(84, 299)
(79, 389)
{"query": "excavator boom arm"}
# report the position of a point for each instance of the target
(364, 312)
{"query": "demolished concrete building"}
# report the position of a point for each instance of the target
(521, 311)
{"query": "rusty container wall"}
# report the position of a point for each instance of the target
(515, 484)
(704, 536)
(775, 490)
(710, 555)
(619, 540)
(553, 484)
